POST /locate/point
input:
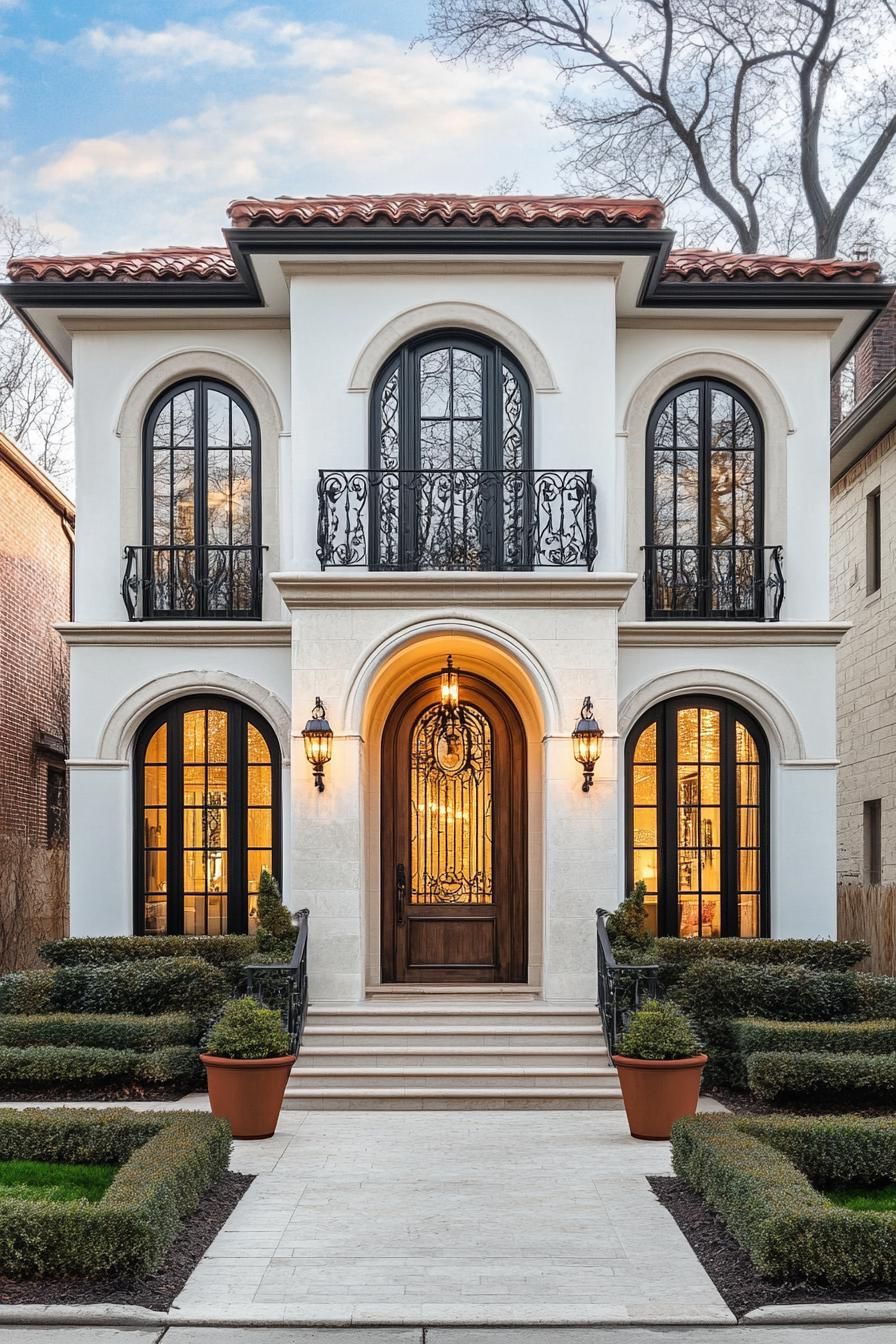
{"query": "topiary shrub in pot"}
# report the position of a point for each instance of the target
(660, 1067)
(247, 1062)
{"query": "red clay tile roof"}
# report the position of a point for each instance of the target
(701, 265)
(421, 209)
(158, 263)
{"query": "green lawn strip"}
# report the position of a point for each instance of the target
(881, 1199)
(55, 1180)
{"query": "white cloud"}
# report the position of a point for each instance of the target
(163, 53)
(364, 114)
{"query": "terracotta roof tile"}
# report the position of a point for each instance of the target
(159, 263)
(422, 209)
(702, 265)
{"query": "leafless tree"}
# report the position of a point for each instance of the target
(774, 120)
(35, 399)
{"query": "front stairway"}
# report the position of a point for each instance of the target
(421, 1052)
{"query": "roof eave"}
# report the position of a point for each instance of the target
(869, 421)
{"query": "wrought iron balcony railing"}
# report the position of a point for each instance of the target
(456, 519)
(714, 583)
(193, 583)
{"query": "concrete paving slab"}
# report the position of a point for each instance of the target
(74, 1334)
(863, 1334)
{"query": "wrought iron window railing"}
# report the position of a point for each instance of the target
(715, 583)
(456, 519)
(284, 985)
(620, 989)
(193, 582)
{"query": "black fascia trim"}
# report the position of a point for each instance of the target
(600, 240)
(130, 294)
(768, 294)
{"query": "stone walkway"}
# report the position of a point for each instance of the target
(451, 1218)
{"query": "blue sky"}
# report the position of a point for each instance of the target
(132, 124)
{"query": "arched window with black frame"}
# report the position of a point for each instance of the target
(697, 775)
(201, 505)
(704, 529)
(451, 457)
(207, 809)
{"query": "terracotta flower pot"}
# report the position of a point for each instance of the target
(657, 1092)
(247, 1093)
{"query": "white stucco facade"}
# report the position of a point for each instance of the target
(550, 637)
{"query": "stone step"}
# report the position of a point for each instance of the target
(438, 1079)
(422, 1037)
(448, 1099)
(415, 1012)
(451, 1056)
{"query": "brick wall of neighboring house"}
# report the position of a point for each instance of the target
(36, 522)
(876, 355)
(866, 664)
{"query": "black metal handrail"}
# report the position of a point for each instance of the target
(447, 519)
(620, 989)
(284, 985)
(193, 582)
(717, 583)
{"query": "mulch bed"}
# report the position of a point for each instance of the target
(730, 1267)
(114, 1092)
(832, 1104)
(155, 1291)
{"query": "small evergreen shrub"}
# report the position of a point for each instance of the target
(275, 933)
(34, 1066)
(658, 1030)
(628, 930)
(755, 1034)
(247, 1030)
(167, 1162)
(112, 1031)
(806, 1073)
(755, 1172)
(229, 952)
(173, 984)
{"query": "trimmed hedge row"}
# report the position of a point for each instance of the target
(169, 1161)
(81, 1065)
(781, 1073)
(746, 1171)
(172, 984)
(112, 1031)
(229, 952)
(823, 954)
(754, 1035)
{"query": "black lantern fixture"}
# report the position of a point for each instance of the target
(318, 738)
(451, 742)
(587, 737)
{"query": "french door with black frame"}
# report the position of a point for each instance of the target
(450, 457)
(207, 811)
(697, 819)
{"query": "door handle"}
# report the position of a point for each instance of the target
(401, 883)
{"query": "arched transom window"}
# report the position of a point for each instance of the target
(697, 799)
(201, 504)
(451, 457)
(704, 505)
(207, 814)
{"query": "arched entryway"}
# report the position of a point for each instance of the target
(454, 849)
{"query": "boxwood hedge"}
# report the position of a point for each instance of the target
(168, 1162)
(822, 954)
(229, 952)
(783, 1073)
(756, 1034)
(81, 1065)
(111, 1031)
(755, 1172)
(171, 984)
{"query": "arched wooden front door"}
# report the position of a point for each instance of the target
(454, 881)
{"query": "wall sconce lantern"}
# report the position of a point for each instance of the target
(587, 737)
(318, 738)
(450, 689)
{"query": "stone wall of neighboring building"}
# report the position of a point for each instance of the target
(36, 540)
(866, 664)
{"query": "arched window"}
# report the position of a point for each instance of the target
(697, 818)
(450, 453)
(207, 816)
(704, 504)
(202, 497)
